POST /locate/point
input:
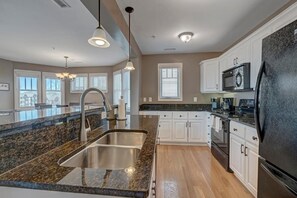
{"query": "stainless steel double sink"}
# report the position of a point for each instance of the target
(113, 151)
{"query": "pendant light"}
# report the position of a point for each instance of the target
(99, 37)
(129, 65)
(66, 75)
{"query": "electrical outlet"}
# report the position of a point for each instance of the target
(195, 99)
(144, 99)
(150, 99)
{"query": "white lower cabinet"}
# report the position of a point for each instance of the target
(237, 156)
(180, 131)
(165, 128)
(182, 127)
(196, 131)
(244, 155)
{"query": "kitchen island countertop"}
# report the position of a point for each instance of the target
(44, 173)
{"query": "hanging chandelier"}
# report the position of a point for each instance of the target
(66, 75)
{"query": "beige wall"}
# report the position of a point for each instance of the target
(191, 76)
(6, 76)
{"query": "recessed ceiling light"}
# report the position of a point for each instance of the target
(186, 36)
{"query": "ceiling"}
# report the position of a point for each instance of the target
(40, 32)
(216, 24)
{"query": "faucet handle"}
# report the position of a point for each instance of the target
(89, 126)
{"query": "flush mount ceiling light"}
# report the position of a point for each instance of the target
(99, 37)
(129, 65)
(186, 36)
(66, 75)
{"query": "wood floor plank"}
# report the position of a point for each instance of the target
(192, 172)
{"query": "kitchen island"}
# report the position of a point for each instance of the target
(44, 173)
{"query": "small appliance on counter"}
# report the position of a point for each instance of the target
(227, 104)
(215, 103)
(237, 78)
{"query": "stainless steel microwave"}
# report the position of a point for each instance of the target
(237, 78)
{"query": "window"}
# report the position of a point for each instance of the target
(126, 89)
(117, 86)
(121, 87)
(99, 81)
(79, 84)
(27, 88)
(170, 82)
(53, 89)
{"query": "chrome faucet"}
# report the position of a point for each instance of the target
(108, 109)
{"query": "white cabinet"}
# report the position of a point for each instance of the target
(239, 54)
(180, 131)
(165, 130)
(251, 167)
(223, 66)
(256, 54)
(244, 155)
(196, 131)
(209, 76)
(237, 156)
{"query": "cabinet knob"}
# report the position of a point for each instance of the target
(165, 116)
(196, 116)
(254, 138)
(180, 116)
(234, 129)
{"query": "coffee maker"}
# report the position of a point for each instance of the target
(227, 104)
(215, 103)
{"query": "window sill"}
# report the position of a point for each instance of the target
(170, 99)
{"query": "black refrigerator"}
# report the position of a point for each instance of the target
(276, 115)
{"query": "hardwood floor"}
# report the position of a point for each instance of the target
(192, 172)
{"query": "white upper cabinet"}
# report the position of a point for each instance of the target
(239, 54)
(256, 54)
(209, 76)
(223, 65)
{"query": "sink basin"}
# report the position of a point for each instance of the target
(123, 138)
(105, 157)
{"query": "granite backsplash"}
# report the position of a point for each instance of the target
(22, 144)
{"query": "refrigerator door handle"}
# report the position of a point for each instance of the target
(275, 175)
(257, 92)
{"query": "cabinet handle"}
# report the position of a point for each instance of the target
(254, 138)
(245, 151)
(159, 125)
(234, 129)
(180, 116)
(165, 116)
(190, 124)
(196, 116)
(233, 61)
(237, 60)
(241, 148)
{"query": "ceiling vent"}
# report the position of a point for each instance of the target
(62, 3)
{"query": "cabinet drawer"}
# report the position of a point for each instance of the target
(251, 135)
(180, 115)
(196, 115)
(237, 129)
(165, 115)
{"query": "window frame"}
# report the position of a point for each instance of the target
(86, 75)
(26, 73)
(179, 66)
(46, 75)
(113, 87)
(98, 75)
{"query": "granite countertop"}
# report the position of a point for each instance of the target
(44, 173)
(13, 119)
(175, 107)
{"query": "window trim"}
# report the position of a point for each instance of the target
(179, 66)
(95, 75)
(80, 75)
(52, 75)
(25, 73)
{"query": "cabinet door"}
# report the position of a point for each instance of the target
(239, 54)
(180, 131)
(210, 76)
(256, 54)
(251, 167)
(196, 131)
(165, 127)
(237, 156)
(223, 65)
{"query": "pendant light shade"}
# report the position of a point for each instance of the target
(129, 65)
(99, 37)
